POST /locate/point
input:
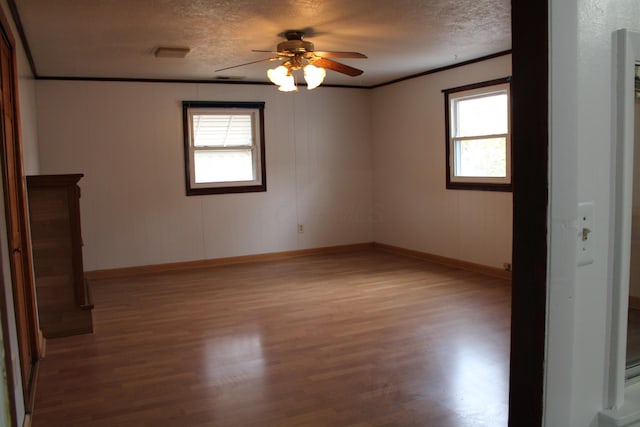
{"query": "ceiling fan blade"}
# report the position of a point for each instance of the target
(324, 54)
(249, 63)
(282, 55)
(336, 66)
(340, 54)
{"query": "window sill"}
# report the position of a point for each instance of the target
(626, 416)
(478, 186)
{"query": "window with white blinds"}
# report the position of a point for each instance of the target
(224, 147)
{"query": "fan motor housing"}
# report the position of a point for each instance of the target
(295, 46)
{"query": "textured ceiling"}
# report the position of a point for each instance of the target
(117, 38)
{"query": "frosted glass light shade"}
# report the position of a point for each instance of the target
(288, 84)
(278, 75)
(314, 76)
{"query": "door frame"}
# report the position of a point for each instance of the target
(529, 26)
(24, 299)
(530, 126)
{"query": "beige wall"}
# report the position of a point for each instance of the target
(127, 140)
(344, 162)
(412, 207)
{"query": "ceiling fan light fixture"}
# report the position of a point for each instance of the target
(314, 76)
(299, 54)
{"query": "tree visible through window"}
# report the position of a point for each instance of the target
(224, 147)
(478, 136)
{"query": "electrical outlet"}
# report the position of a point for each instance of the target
(300, 228)
(507, 266)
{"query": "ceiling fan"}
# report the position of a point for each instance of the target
(300, 54)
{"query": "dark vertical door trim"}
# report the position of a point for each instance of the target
(23, 38)
(529, 25)
(19, 250)
(4, 319)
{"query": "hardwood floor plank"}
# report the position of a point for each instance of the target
(354, 339)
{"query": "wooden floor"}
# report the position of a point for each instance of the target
(358, 339)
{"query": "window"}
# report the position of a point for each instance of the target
(224, 147)
(479, 136)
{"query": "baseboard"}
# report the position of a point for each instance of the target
(450, 262)
(273, 256)
(634, 303)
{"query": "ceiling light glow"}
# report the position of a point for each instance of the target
(282, 75)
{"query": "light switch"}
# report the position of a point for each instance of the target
(585, 233)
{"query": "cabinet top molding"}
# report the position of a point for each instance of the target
(53, 180)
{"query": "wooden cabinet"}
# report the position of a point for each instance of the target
(64, 300)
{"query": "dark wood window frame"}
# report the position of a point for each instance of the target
(260, 183)
(479, 183)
